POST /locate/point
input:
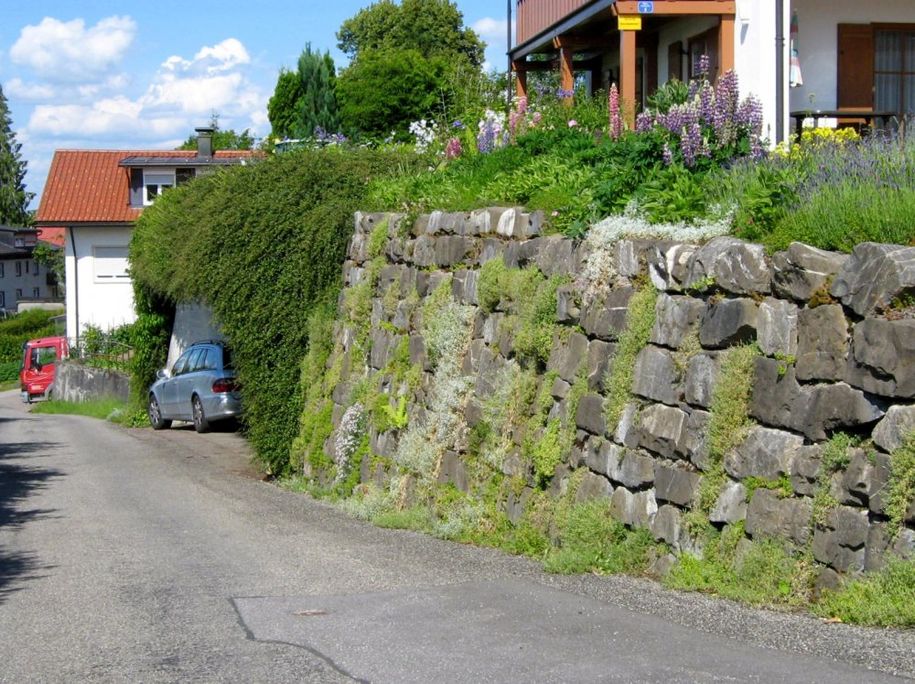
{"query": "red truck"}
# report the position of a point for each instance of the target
(39, 361)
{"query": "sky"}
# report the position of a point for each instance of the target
(104, 74)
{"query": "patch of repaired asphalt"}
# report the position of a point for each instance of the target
(481, 631)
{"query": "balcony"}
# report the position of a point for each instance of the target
(536, 16)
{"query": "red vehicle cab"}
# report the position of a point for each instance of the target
(39, 361)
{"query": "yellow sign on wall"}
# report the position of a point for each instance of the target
(630, 22)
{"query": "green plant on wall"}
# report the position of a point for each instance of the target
(901, 495)
(640, 319)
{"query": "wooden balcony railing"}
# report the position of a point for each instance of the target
(535, 16)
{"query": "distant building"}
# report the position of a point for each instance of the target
(22, 279)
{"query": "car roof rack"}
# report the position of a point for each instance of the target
(221, 342)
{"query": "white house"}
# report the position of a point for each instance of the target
(852, 58)
(96, 196)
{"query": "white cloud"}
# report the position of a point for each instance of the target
(17, 88)
(69, 51)
(491, 30)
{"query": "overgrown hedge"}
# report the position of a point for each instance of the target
(19, 329)
(263, 245)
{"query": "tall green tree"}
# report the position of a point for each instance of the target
(431, 27)
(227, 139)
(305, 99)
(14, 199)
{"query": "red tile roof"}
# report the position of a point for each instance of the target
(88, 186)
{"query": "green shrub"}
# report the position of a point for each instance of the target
(9, 371)
(20, 328)
(885, 598)
(640, 320)
(901, 484)
(263, 245)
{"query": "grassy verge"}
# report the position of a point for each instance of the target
(104, 409)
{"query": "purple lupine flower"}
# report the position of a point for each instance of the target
(706, 104)
(691, 144)
(727, 93)
(667, 155)
(457, 124)
(616, 121)
(644, 122)
(486, 140)
(750, 114)
(704, 66)
(563, 94)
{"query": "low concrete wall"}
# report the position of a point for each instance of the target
(75, 382)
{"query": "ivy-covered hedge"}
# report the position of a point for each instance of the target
(263, 246)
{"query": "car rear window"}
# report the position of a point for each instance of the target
(227, 363)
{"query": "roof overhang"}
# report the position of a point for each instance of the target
(137, 162)
(545, 38)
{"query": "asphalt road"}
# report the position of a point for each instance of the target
(129, 555)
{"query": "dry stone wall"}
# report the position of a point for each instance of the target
(828, 344)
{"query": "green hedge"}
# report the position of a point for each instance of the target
(263, 245)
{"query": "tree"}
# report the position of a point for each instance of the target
(222, 139)
(384, 90)
(53, 258)
(14, 200)
(431, 27)
(305, 100)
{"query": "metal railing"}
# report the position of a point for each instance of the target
(100, 351)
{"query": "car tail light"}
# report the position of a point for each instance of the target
(225, 385)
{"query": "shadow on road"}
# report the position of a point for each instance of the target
(20, 479)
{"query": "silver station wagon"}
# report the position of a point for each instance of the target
(200, 387)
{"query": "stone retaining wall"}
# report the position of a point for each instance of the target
(76, 382)
(836, 353)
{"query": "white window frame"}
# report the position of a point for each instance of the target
(103, 272)
(160, 179)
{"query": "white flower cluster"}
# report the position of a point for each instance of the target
(424, 132)
(631, 224)
(348, 435)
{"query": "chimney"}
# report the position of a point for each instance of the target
(205, 141)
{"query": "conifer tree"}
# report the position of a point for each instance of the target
(14, 200)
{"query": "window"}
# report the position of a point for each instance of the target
(894, 70)
(26, 267)
(110, 264)
(155, 183)
(704, 44)
(18, 269)
(36, 292)
(212, 359)
(182, 176)
(194, 363)
(2, 299)
(18, 293)
(1, 270)
(180, 364)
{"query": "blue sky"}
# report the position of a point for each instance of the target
(100, 74)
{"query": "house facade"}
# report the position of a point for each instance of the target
(22, 279)
(95, 197)
(794, 55)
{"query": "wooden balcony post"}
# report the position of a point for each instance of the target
(726, 44)
(520, 79)
(566, 74)
(628, 76)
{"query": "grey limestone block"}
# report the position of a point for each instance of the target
(567, 304)
(418, 356)
(471, 363)
(822, 343)
(736, 266)
(766, 452)
(675, 318)
(827, 550)
(661, 429)
(883, 357)
(805, 469)
(675, 484)
(777, 327)
(491, 248)
(560, 389)
(633, 509)
(668, 267)
(879, 483)
(814, 410)
(600, 355)
(590, 414)
(634, 469)
(424, 251)
(701, 375)
(601, 456)
(464, 286)
(555, 255)
(801, 270)
(605, 317)
(491, 327)
(693, 444)
(656, 376)
(769, 516)
(627, 430)
(516, 503)
(896, 425)
(666, 525)
(453, 249)
(855, 484)
(731, 504)
(445, 223)
(728, 322)
(568, 356)
(874, 276)
(850, 525)
(592, 487)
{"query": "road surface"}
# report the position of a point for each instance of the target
(133, 555)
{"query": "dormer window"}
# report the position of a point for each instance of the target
(155, 183)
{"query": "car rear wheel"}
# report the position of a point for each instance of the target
(201, 424)
(155, 414)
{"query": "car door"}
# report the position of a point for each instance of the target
(185, 383)
(168, 401)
